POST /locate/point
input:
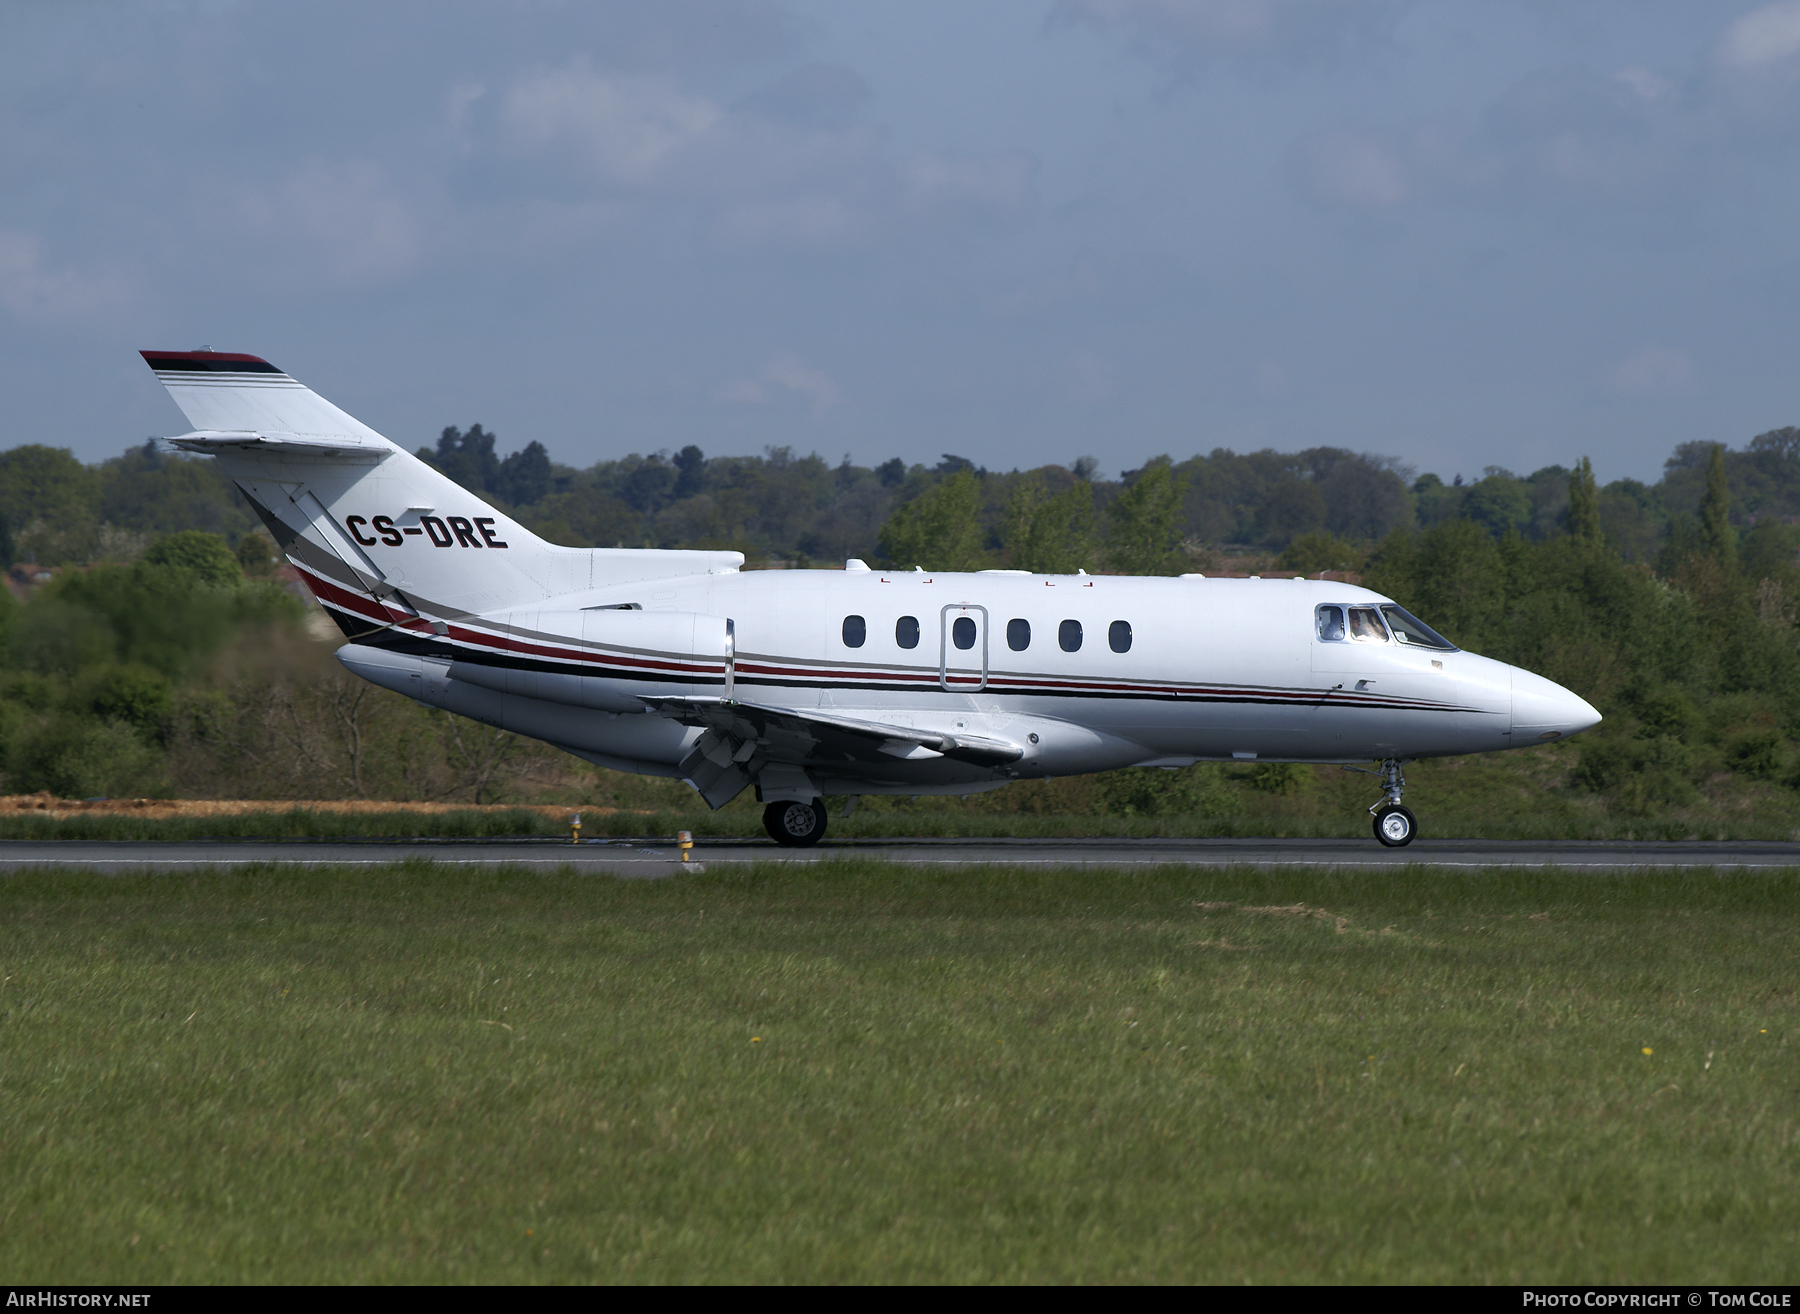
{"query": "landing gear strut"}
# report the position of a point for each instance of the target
(795, 824)
(1395, 826)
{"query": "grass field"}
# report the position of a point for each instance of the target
(856, 1071)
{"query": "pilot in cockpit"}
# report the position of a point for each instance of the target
(1365, 625)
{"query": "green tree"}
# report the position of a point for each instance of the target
(1584, 503)
(938, 529)
(149, 491)
(1051, 535)
(1319, 551)
(45, 483)
(1715, 511)
(135, 695)
(165, 617)
(1452, 576)
(1143, 525)
(1500, 502)
(53, 636)
(204, 555)
(256, 553)
(79, 757)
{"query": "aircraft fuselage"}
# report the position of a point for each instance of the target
(1082, 673)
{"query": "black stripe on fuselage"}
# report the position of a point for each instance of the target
(416, 645)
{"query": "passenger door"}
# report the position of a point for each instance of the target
(963, 648)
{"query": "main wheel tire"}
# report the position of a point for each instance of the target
(1396, 826)
(795, 825)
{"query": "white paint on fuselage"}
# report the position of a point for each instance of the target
(1273, 690)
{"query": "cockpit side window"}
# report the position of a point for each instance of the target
(1413, 632)
(1366, 626)
(1330, 621)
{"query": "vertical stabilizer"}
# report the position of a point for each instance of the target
(383, 539)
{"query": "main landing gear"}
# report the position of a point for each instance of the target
(1395, 826)
(795, 825)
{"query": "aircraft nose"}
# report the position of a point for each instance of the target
(1542, 709)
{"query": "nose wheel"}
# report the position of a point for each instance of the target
(1395, 826)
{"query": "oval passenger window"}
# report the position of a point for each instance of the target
(1118, 634)
(1018, 635)
(962, 634)
(855, 631)
(906, 631)
(1068, 634)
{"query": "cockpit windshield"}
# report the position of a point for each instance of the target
(1413, 632)
(1339, 623)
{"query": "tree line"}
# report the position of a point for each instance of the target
(163, 657)
(781, 507)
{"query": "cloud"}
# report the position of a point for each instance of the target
(1761, 38)
(33, 290)
(1355, 169)
(1201, 28)
(812, 220)
(342, 221)
(1653, 372)
(1561, 135)
(786, 373)
(813, 96)
(1662, 141)
(997, 183)
(624, 127)
(787, 166)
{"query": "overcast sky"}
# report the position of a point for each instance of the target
(1505, 232)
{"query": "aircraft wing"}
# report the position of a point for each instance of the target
(788, 734)
(738, 731)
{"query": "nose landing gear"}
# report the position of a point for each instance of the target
(1395, 826)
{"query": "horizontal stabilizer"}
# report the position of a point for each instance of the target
(213, 441)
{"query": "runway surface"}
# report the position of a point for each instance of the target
(650, 859)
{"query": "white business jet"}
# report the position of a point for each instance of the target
(808, 683)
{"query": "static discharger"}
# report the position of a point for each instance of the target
(575, 829)
(685, 838)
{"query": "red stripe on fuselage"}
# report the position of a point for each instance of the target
(755, 672)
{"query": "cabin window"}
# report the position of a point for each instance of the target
(1413, 632)
(906, 631)
(962, 633)
(1068, 634)
(1018, 635)
(1118, 636)
(856, 630)
(1366, 626)
(1330, 621)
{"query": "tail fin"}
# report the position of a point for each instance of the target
(382, 538)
